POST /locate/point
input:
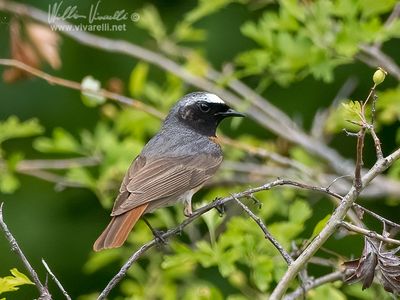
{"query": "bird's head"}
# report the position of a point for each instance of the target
(202, 112)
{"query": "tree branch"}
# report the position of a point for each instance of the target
(58, 283)
(369, 233)
(44, 292)
(77, 86)
(331, 277)
(264, 229)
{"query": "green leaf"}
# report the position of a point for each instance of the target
(150, 20)
(12, 283)
(14, 128)
(326, 291)
(9, 183)
(99, 260)
(320, 225)
(299, 212)
(138, 79)
(185, 32)
(206, 8)
(61, 142)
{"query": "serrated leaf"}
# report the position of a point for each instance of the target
(150, 20)
(12, 283)
(14, 128)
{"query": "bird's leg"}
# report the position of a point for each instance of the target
(220, 208)
(156, 233)
(187, 211)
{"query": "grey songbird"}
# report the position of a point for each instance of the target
(173, 165)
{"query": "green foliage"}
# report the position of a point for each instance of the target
(13, 128)
(10, 129)
(138, 79)
(343, 117)
(320, 225)
(311, 38)
(150, 20)
(12, 283)
(326, 291)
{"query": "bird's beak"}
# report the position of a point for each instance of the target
(230, 113)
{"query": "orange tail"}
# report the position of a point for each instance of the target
(118, 229)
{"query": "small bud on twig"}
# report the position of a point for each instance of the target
(379, 76)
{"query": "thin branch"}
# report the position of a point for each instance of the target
(375, 215)
(57, 164)
(267, 234)
(338, 215)
(374, 57)
(389, 21)
(77, 86)
(359, 159)
(263, 153)
(44, 292)
(369, 233)
(331, 277)
(58, 283)
(60, 181)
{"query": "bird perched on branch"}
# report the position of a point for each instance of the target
(173, 165)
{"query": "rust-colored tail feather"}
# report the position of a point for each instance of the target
(118, 229)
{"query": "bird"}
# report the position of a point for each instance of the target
(171, 167)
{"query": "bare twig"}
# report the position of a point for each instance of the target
(60, 181)
(267, 234)
(44, 292)
(374, 57)
(57, 164)
(389, 21)
(359, 159)
(263, 153)
(375, 215)
(369, 233)
(77, 86)
(58, 283)
(331, 277)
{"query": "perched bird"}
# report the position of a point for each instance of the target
(173, 165)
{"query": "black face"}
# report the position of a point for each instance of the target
(205, 116)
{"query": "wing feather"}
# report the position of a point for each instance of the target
(151, 180)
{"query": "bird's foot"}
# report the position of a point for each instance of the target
(256, 201)
(220, 207)
(158, 234)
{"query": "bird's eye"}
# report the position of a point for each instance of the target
(204, 107)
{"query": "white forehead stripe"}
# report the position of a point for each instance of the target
(211, 98)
